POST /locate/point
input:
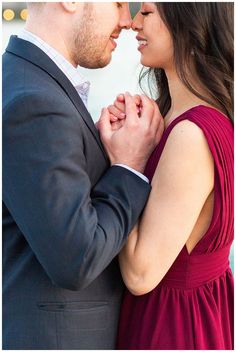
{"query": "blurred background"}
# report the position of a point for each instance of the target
(119, 76)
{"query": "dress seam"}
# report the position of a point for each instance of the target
(198, 286)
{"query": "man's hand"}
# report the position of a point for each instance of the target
(135, 140)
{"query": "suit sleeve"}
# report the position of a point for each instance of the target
(73, 231)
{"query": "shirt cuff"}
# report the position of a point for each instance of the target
(134, 171)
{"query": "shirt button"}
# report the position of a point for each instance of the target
(85, 85)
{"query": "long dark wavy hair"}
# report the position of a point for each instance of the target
(203, 35)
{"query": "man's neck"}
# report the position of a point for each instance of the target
(52, 37)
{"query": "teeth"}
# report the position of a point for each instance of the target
(142, 42)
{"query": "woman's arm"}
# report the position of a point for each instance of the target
(183, 180)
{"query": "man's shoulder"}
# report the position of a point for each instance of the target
(16, 65)
(21, 76)
(26, 86)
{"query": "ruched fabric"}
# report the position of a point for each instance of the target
(192, 307)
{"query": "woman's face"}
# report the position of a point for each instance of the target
(155, 42)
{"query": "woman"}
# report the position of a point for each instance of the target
(175, 262)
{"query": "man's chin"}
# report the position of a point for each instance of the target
(103, 62)
(99, 63)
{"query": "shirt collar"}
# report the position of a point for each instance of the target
(80, 83)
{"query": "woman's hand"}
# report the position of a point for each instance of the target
(117, 110)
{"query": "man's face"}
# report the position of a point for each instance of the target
(96, 31)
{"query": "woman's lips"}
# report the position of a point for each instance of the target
(141, 42)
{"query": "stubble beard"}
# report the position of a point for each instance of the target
(89, 47)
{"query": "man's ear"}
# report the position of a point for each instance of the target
(69, 6)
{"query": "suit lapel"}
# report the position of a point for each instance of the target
(36, 56)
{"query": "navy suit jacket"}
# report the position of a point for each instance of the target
(66, 213)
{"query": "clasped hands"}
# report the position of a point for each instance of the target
(130, 129)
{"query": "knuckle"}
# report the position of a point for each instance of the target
(135, 125)
(116, 103)
(148, 131)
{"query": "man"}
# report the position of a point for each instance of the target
(66, 212)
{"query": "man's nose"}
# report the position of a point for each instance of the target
(125, 20)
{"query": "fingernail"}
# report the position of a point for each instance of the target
(122, 114)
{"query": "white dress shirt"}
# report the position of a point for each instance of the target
(79, 82)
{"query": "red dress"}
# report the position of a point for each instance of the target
(192, 307)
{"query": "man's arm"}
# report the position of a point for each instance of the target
(73, 233)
